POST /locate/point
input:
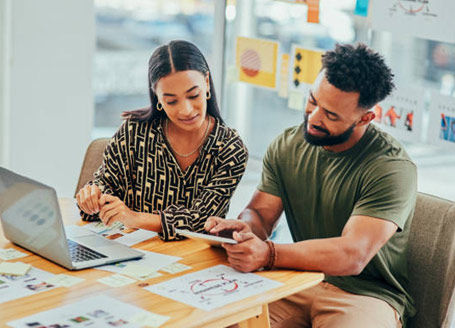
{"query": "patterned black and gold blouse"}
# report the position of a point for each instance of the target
(140, 168)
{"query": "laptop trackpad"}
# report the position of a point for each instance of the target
(94, 241)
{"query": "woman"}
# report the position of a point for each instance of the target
(174, 164)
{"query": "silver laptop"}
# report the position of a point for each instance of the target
(31, 218)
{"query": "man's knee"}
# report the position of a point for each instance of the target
(356, 318)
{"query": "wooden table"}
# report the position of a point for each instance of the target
(250, 312)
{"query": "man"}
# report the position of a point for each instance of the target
(348, 190)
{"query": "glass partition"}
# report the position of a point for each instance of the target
(260, 114)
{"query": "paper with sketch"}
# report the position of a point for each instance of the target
(121, 234)
(99, 311)
(33, 282)
(401, 113)
(428, 19)
(213, 287)
(441, 125)
(154, 261)
(256, 61)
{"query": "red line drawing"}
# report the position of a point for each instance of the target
(409, 9)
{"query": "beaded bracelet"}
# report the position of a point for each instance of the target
(272, 256)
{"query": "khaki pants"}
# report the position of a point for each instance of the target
(326, 305)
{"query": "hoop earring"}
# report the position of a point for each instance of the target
(209, 95)
(159, 106)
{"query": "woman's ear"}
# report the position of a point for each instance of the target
(207, 80)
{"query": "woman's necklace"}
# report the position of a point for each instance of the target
(197, 148)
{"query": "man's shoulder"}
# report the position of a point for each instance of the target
(385, 151)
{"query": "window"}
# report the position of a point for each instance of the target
(260, 115)
(127, 32)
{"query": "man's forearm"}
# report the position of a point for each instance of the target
(256, 223)
(333, 256)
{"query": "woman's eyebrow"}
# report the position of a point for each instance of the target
(173, 95)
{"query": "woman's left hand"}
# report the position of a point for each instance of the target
(113, 210)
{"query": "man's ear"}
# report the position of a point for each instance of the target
(366, 118)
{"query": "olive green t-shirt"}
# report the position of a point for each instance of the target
(321, 190)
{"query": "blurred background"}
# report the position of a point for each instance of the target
(69, 69)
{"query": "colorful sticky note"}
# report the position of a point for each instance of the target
(10, 254)
(361, 8)
(232, 74)
(313, 11)
(116, 280)
(138, 271)
(175, 268)
(307, 65)
(152, 275)
(296, 100)
(149, 319)
(256, 61)
(15, 268)
(284, 71)
(64, 280)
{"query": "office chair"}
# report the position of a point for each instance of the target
(432, 262)
(92, 161)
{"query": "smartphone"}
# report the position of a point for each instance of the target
(207, 238)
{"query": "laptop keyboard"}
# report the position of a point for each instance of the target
(81, 253)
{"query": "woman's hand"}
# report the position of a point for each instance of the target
(88, 199)
(113, 210)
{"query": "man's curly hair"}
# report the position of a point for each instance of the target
(358, 69)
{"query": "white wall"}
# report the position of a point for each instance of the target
(4, 7)
(47, 88)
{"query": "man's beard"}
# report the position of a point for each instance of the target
(326, 140)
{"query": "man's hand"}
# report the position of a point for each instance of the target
(250, 254)
(214, 225)
(87, 199)
(113, 210)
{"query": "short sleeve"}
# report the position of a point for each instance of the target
(388, 191)
(270, 179)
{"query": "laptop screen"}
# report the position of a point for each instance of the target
(31, 217)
